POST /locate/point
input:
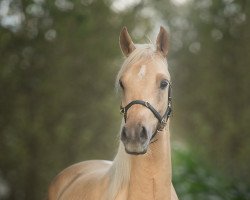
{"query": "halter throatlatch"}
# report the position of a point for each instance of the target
(162, 120)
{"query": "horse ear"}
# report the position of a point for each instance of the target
(126, 43)
(162, 42)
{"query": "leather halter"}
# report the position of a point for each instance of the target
(162, 120)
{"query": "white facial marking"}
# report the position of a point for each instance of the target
(142, 71)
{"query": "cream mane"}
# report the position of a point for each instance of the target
(119, 172)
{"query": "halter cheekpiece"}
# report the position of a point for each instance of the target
(162, 120)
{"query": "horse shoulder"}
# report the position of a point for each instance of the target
(71, 174)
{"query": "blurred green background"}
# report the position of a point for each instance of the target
(58, 62)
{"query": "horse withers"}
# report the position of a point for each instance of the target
(141, 169)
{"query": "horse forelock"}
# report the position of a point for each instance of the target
(142, 51)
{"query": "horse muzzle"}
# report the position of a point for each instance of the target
(135, 139)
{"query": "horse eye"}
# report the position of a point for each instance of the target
(121, 85)
(164, 84)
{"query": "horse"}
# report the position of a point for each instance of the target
(141, 169)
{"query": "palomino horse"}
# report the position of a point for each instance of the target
(141, 169)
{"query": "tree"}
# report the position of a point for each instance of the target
(58, 104)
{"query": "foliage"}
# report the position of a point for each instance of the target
(193, 180)
(58, 104)
(209, 61)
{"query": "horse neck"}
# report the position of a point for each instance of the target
(150, 175)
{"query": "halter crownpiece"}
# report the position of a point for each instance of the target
(162, 120)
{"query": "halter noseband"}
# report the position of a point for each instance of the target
(161, 119)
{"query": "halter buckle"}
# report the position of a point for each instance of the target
(122, 110)
(164, 121)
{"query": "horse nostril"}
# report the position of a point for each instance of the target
(143, 133)
(124, 136)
